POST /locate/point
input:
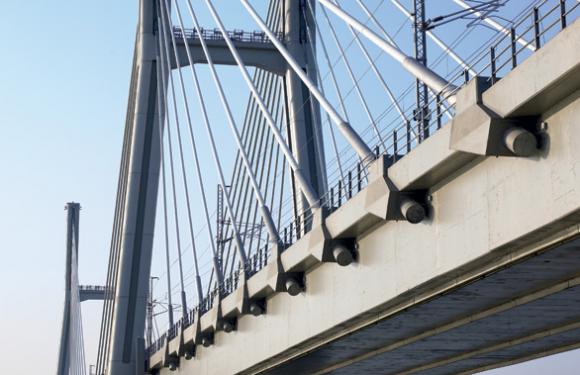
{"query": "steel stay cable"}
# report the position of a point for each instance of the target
(241, 185)
(352, 89)
(231, 213)
(259, 123)
(265, 81)
(231, 122)
(361, 46)
(243, 191)
(270, 98)
(104, 334)
(360, 78)
(194, 150)
(302, 180)
(217, 162)
(313, 52)
(411, 65)
(277, 116)
(339, 58)
(165, 65)
(160, 100)
(448, 50)
(254, 157)
(348, 132)
(261, 77)
(352, 76)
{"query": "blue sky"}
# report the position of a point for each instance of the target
(64, 77)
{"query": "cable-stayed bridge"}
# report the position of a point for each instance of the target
(375, 211)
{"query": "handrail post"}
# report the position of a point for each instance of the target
(513, 47)
(493, 68)
(408, 123)
(537, 28)
(395, 145)
(438, 109)
(563, 13)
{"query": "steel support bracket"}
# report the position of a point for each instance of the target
(238, 301)
(175, 345)
(381, 195)
(380, 200)
(269, 279)
(314, 247)
(476, 129)
(192, 336)
(384, 200)
(209, 321)
(168, 359)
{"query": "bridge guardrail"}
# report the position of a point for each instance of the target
(216, 34)
(97, 288)
(528, 33)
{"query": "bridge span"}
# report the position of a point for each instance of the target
(490, 278)
(441, 238)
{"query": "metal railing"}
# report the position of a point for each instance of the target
(175, 329)
(526, 35)
(96, 288)
(157, 345)
(258, 260)
(216, 34)
(354, 181)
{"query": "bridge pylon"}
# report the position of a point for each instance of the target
(304, 123)
(122, 341)
(67, 358)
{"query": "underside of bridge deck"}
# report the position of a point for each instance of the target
(513, 314)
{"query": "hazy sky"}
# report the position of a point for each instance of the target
(64, 77)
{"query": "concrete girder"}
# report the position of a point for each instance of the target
(92, 294)
(472, 195)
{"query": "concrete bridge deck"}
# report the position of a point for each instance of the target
(490, 278)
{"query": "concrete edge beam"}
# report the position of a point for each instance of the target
(261, 55)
